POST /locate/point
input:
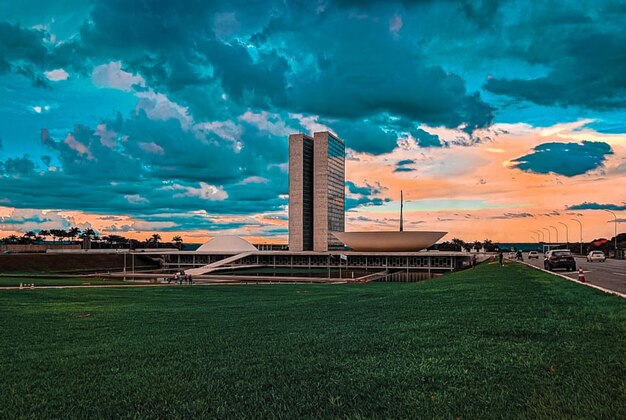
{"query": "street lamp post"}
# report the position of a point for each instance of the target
(615, 216)
(566, 233)
(557, 233)
(539, 232)
(549, 235)
(581, 235)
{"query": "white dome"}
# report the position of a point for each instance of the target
(228, 243)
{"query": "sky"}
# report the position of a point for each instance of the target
(496, 118)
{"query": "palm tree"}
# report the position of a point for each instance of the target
(62, 233)
(56, 233)
(155, 239)
(29, 237)
(458, 243)
(132, 243)
(178, 240)
(44, 233)
(73, 232)
(488, 245)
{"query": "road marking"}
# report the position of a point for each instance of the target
(620, 274)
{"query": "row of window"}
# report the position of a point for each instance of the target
(318, 260)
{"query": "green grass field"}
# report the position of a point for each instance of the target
(70, 281)
(492, 342)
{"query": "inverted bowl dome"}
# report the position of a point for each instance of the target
(227, 243)
(389, 241)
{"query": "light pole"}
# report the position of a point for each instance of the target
(581, 235)
(566, 233)
(538, 232)
(557, 233)
(533, 234)
(549, 236)
(615, 216)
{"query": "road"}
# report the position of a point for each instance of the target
(610, 274)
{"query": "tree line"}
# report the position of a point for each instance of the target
(75, 235)
(457, 244)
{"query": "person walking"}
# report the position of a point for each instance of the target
(501, 258)
(180, 279)
(473, 261)
(190, 280)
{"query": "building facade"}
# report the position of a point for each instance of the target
(316, 191)
(300, 192)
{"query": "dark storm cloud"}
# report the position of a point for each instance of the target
(22, 51)
(365, 195)
(569, 159)
(340, 62)
(425, 139)
(402, 166)
(404, 169)
(345, 80)
(582, 47)
(153, 167)
(17, 167)
(286, 68)
(365, 135)
(598, 206)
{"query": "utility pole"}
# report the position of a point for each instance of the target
(566, 233)
(401, 208)
(549, 235)
(581, 235)
(615, 216)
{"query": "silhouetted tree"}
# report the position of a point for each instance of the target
(29, 237)
(73, 232)
(459, 244)
(44, 234)
(489, 246)
(154, 239)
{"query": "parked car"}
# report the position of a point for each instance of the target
(596, 256)
(559, 258)
(533, 254)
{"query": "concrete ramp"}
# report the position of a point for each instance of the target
(372, 277)
(210, 267)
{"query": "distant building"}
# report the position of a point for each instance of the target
(316, 191)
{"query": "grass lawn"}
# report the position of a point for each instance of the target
(492, 342)
(15, 281)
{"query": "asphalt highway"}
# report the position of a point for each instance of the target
(610, 274)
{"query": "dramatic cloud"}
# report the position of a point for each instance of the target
(598, 206)
(586, 65)
(172, 115)
(367, 195)
(35, 220)
(17, 167)
(22, 51)
(569, 159)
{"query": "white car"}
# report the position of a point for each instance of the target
(596, 256)
(533, 254)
